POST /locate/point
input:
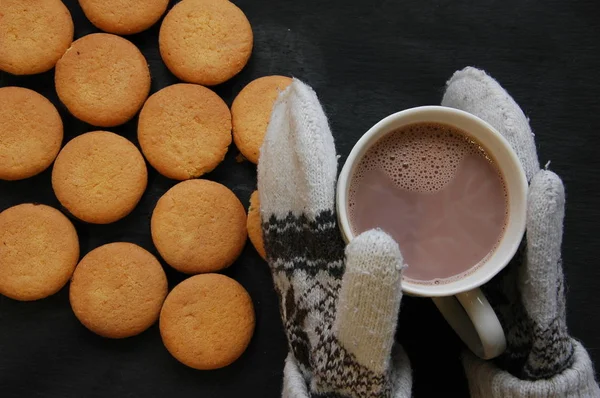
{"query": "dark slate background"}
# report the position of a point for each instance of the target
(366, 59)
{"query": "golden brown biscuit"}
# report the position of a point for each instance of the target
(31, 132)
(184, 130)
(38, 252)
(205, 41)
(207, 321)
(254, 225)
(103, 79)
(123, 17)
(34, 34)
(99, 177)
(199, 226)
(251, 112)
(118, 290)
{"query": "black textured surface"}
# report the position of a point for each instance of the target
(366, 59)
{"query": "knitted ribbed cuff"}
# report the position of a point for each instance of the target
(487, 380)
(295, 386)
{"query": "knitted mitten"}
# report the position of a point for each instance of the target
(541, 359)
(339, 309)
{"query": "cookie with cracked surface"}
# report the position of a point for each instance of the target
(118, 290)
(251, 112)
(38, 252)
(99, 177)
(199, 226)
(31, 133)
(184, 130)
(123, 17)
(205, 41)
(207, 321)
(34, 34)
(102, 79)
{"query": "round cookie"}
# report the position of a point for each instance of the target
(103, 79)
(99, 177)
(254, 225)
(198, 123)
(117, 290)
(123, 17)
(205, 41)
(199, 226)
(39, 251)
(31, 132)
(207, 321)
(251, 112)
(34, 34)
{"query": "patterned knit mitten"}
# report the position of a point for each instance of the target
(541, 359)
(339, 308)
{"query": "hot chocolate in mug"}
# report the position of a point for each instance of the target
(434, 168)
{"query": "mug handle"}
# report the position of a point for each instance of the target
(473, 319)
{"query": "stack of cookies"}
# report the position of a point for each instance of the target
(199, 227)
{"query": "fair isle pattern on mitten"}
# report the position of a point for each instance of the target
(306, 259)
(315, 280)
(308, 286)
(486, 380)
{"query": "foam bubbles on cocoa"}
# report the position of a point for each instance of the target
(421, 157)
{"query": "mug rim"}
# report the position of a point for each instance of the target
(379, 130)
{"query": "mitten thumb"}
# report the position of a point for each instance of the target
(369, 300)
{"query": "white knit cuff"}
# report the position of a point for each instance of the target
(295, 386)
(487, 380)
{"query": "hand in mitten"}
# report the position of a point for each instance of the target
(541, 359)
(339, 307)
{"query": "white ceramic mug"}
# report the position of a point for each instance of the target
(461, 302)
